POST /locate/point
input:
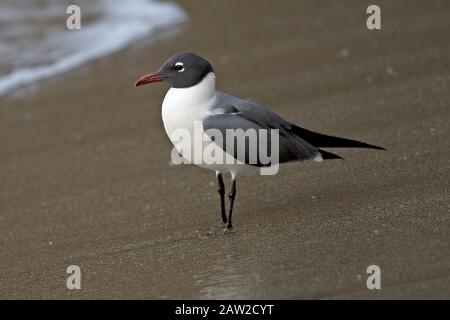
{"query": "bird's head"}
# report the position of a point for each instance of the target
(182, 70)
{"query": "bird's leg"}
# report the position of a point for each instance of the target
(221, 190)
(231, 197)
(227, 221)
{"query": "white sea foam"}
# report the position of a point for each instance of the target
(30, 51)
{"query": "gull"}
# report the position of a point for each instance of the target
(193, 103)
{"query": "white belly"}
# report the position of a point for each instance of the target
(183, 111)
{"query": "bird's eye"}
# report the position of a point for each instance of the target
(178, 67)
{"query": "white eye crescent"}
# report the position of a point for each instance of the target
(179, 66)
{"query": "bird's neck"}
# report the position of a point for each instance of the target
(198, 94)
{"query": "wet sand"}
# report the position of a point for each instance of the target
(85, 178)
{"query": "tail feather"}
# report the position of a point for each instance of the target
(325, 141)
(328, 155)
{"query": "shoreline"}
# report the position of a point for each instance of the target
(115, 28)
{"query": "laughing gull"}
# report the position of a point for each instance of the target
(193, 98)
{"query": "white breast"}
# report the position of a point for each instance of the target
(183, 108)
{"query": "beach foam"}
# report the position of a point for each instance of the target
(35, 43)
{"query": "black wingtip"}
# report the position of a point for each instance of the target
(369, 146)
(326, 141)
(329, 156)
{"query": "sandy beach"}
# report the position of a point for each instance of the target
(85, 174)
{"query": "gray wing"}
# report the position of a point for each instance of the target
(232, 114)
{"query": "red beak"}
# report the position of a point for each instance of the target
(149, 78)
